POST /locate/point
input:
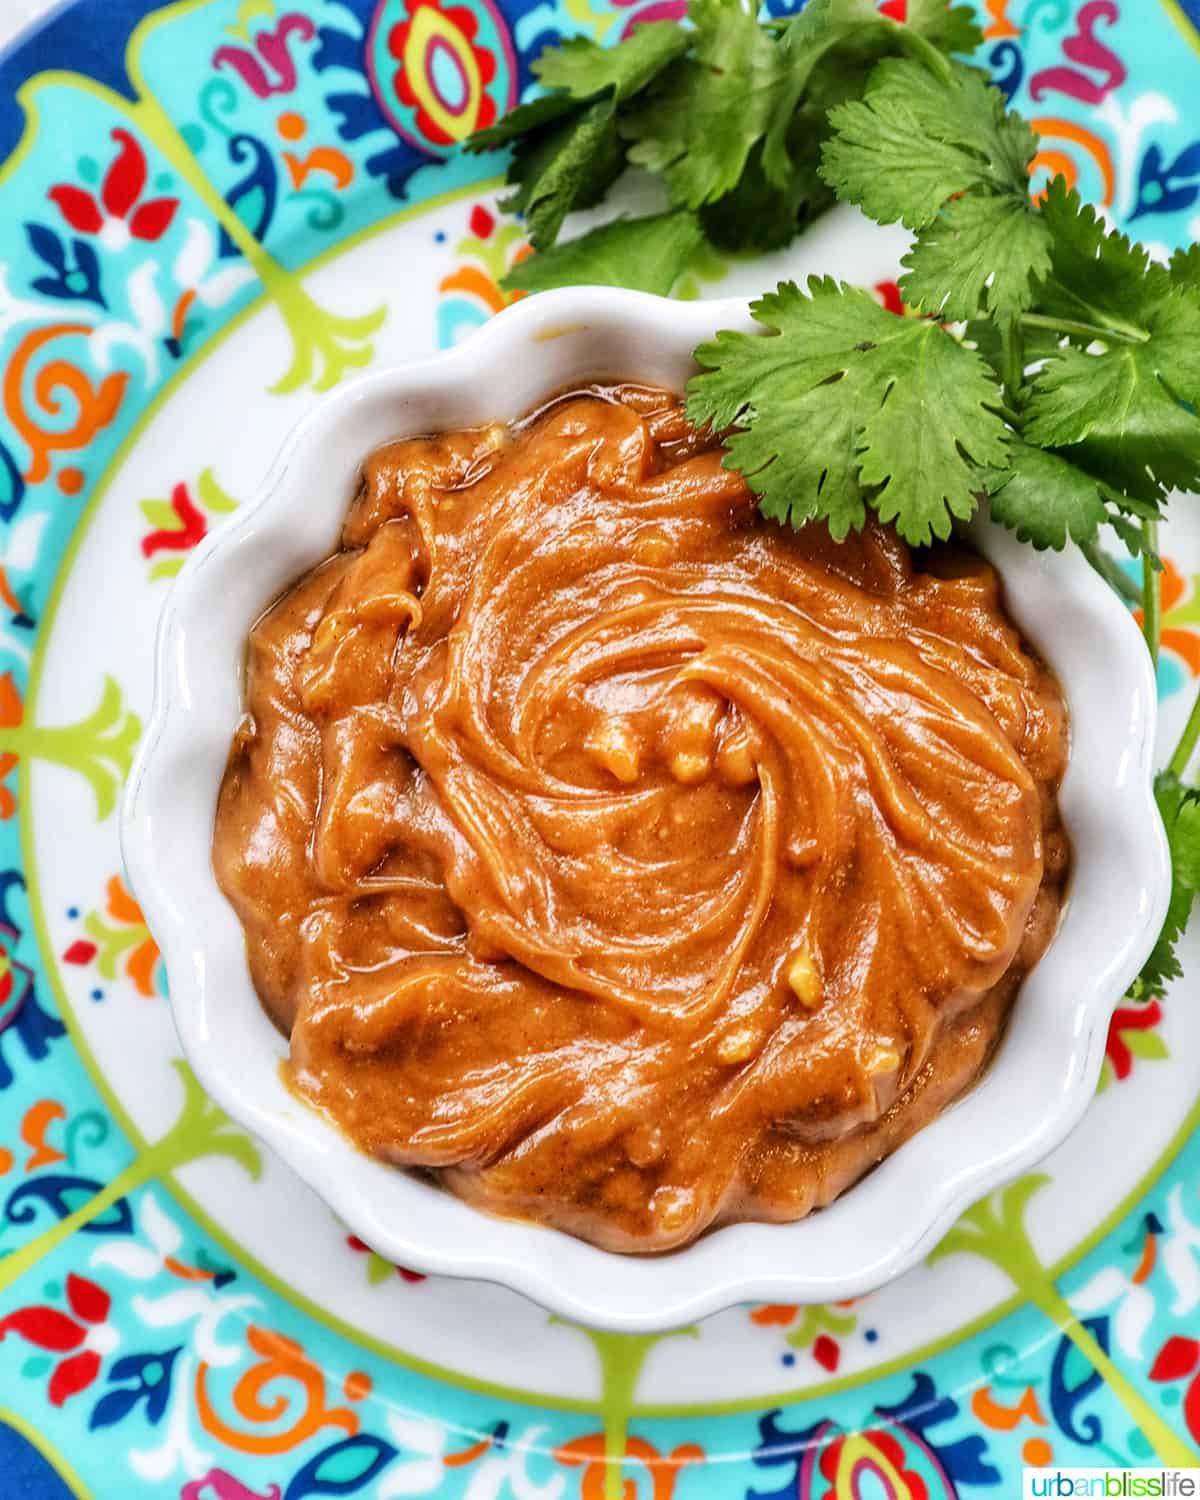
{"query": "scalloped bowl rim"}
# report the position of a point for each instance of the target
(1033, 1094)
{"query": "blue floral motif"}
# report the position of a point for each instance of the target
(1068, 1394)
(35, 1029)
(62, 1193)
(359, 116)
(75, 272)
(12, 483)
(151, 1375)
(780, 1448)
(1168, 189)
(922, 1410)
(253, 197)
(1007, 63)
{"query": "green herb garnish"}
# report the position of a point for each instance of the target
(858, 383)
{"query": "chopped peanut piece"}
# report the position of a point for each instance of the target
(689, 766)
(614, 746)
(652, 546)
(736, 765)
(645, 1145)
(690, 715)
(805, 981)
(883, 1060)
(737, 1046)
(673, 1208)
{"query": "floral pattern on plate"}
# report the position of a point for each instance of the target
(216, 207)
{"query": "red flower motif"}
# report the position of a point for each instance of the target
(73, 1375)
(118, 217)
(414, 80)
(192, 527)
(88, 1301)
(362, 1248)
(884, 1447)
(826, 1352)
(1178, 1358)
(89, 1333)
(12, 713)
(1129, 1018)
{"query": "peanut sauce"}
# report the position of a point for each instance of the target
(632, 862)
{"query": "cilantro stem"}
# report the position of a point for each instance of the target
(1083, 330)
(1151, 595)
(1112, 572)
(1014, 359)
(1011, 417)
(1188, 741)
(921, 48)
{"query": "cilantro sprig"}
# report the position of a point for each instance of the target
(862, 385)
(1180, 809)
(729, 113)
(1047, 368)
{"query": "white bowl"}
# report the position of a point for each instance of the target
(1047, 1068)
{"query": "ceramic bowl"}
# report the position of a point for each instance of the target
(1047, 1068)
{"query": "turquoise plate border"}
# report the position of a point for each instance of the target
(108, 137)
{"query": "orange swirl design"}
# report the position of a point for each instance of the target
(281, 1361)
(95, 406)
(1055, 161)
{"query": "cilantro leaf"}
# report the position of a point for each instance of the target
(1112, 414)
(948, 160)
(647, 254)
(1117, 410)
(568, 152)
(789, 188)
(568, 165)
(1098, 274)
(1185, 268)
(698, 124)
(584, 69)
(757, 215)
(914, 142)
(521, 121)
(982, 251)
(821, 27)
(1180, 809)
(951, 27)
(828, 35)
(1133, 536)
(762, 100)
(849, 405)
(1045, 499)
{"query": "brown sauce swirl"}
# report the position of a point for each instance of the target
(635, 863)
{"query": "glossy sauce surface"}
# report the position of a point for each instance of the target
(632, 862)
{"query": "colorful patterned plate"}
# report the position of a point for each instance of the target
(214, 210)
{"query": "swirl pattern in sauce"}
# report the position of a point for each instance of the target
(635, 863)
